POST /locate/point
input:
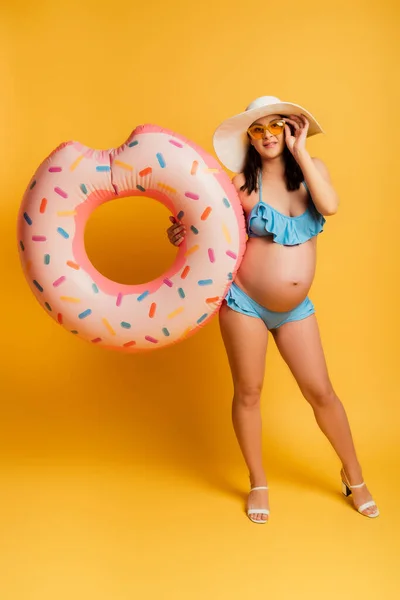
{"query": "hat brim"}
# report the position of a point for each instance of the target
(230, 139)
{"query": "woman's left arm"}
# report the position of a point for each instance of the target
(315, 172)
(319, 183)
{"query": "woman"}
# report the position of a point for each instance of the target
(286, 195)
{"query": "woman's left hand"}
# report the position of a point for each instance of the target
(297, 142)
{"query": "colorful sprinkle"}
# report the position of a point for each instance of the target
(58, 281)
(194, 167)
(192, 196)
(212, 300)
(47, 305)
(208, 170)
(143, 296)
(60, 318)
(185, 272)
(175, 143)
(152, 310)
(85, 314)
(66, 213)
(165, 332)
(134, 143)
(62, 232)
(74, 331)
(181, 293)
(231, 254)
(167, 188)
(39, 287)
(60, 192)
(103, 168)
(140, 188)
(145, 172)
(123, 165)
(230, 276)
(206, 213)
(55, 169)
(226, 202)
(47, 259)
(211, 255)
(168, 282)
(202, 318)
(32, 184)
(180, 215)
(96, 340)
(108, 326)
(95, 288)
(205, 282)
(73, 265)
(39, 238)
(226, 233)
(125, 325)
(151, 339)
(119, 299)
(176, 312)
(43, 205)
(76, 163)
(131, 343)
(70, 299)
(27, 218)
(22, 246)
(194, 229)
(83, 188)
(161, 160)
(192, 250)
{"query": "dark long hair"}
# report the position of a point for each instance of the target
(252, 167)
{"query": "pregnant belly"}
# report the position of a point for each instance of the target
(277, 277)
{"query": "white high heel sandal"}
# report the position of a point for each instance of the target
(346, 491)
(261, 511)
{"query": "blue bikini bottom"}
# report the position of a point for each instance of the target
(239, 301)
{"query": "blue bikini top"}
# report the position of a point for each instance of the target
(264, 220)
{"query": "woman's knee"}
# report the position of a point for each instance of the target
(320, 396)
(248, 395)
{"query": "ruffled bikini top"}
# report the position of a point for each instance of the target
(263, 220)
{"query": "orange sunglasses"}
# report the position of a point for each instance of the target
(257, 131)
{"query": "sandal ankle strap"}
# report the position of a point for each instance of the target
(347, 482)
(260, 487)
(356, 486)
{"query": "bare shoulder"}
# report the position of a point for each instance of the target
(322, 168)
(238, 180)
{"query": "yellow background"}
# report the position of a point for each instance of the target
(121, 476)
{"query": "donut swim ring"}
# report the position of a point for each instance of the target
(154, 162)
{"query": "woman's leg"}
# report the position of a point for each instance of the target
(300, 346)
(246, 340)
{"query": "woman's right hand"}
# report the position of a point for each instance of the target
(177, 232)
